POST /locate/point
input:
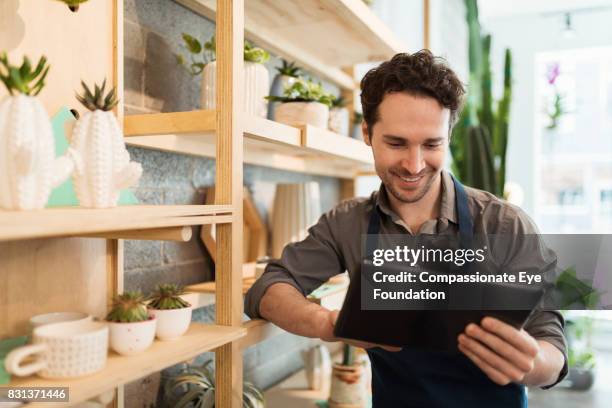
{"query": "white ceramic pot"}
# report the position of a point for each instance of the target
(173, 323)
(256, 87)
(346, 387)
(132, 338)
(29, 169)
(317, 363)
(301, 113)
(296, 207)
(339, 121)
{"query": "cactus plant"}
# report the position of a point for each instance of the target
(99, 141)
(27, 150)
(289, 69)
(480, 138)
(168, 296)
(128, 307)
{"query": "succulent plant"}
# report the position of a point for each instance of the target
(24, 79)
(168, 296)
(289, 69)
(128, 307)
(338, 102)
(197, 384)
(303, 90)
(73, 5)
(97, 100)
(208, 51)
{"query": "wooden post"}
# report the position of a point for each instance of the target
(426, 22)
(228, 190)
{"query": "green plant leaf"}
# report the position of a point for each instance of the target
(193, 45)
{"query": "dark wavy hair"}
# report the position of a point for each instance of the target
(418, 74)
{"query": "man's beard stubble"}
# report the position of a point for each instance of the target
(429, 177)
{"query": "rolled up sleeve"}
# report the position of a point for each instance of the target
(305, 265)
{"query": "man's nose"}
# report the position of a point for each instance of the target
(414, 162)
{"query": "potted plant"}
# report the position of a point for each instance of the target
(356, 132)
(98, 139)
(30, 169)
(304, 102)
(347, 387)
(73, 5)
(132, 328)
(256, 79)
(581, 358)
(339, 117)
(287, 74)
(196, 385)
(173, 314)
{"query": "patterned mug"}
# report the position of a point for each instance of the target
(62, 350)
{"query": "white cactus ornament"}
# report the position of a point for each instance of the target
(98, 140)
(29, 169)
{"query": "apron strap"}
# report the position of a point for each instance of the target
(466, 224)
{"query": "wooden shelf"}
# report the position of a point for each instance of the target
(320, 35)
(121, 370)
(77, 221)
(266, 143)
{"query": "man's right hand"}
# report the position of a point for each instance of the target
(328, 321)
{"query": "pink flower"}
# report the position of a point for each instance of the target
(552, 73)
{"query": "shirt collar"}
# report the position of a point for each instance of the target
(448, 209)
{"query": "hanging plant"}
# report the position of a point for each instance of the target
(73, 5)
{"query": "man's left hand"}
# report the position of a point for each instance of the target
(502, 352)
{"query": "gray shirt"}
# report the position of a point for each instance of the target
(333, 246)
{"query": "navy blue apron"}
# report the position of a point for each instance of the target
(425, 378)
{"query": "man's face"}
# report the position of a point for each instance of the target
(409, 142)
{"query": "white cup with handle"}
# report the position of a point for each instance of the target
(62, 350)
(58, 317)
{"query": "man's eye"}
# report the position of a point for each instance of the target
(432, 145)
(395, 144)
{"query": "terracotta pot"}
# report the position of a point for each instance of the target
(301, 113)
(256, 87)
(347, 388)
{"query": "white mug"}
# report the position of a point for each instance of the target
(58, 317)
(62, 350)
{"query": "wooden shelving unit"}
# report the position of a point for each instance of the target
(120, 369)
(266, 143)
(48, 259)
(77, 221)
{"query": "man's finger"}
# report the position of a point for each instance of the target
(492, 359)
(501, 347)
(518, 338)
(492, 373)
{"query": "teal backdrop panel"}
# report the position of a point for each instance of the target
(64, 195)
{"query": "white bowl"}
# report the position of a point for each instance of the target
(132, 338)
(172, 323)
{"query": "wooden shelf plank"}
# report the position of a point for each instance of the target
(198, 121)
(271, 144)
(77, 221)
(121, 370)
(348, 29)
(325, 141)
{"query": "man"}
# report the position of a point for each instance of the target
(410, 104)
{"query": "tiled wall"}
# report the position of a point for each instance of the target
(153, 83)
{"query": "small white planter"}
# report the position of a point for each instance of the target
(29, 169)
(339, 121)
(256, 87)
(301, 113)
(172, 323)
(347, 388)
(279, 84)
(132, 338)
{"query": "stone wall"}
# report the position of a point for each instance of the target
(154, 82)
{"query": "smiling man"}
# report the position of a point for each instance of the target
(410, 104)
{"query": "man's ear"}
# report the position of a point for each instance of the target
(366, 134)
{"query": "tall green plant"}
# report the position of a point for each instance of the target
(480, 137)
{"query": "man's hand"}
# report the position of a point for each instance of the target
(328, 321)
(502, 352)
